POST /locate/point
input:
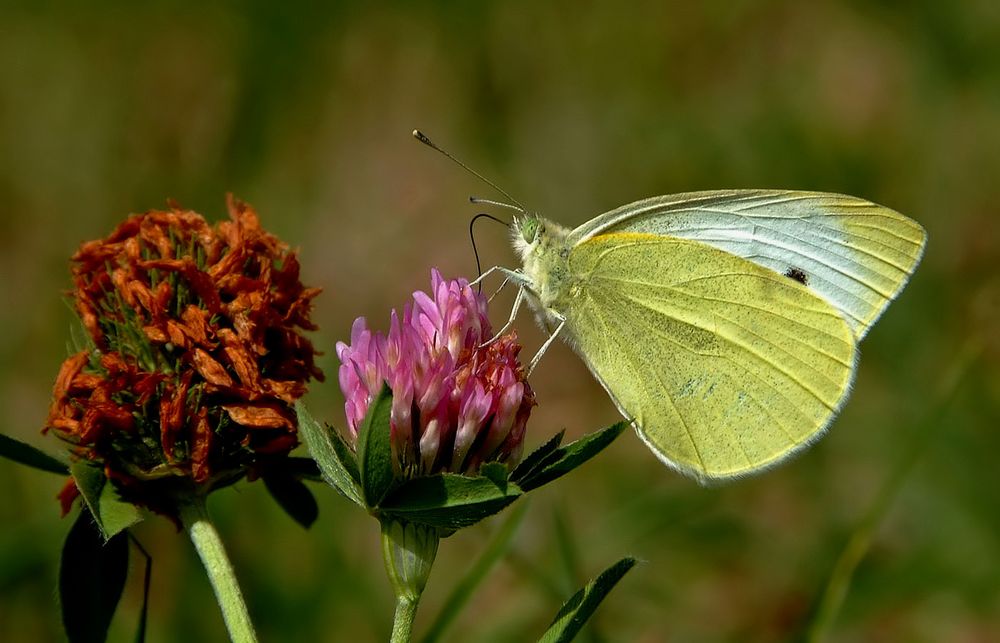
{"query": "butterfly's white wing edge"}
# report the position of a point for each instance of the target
(735, 240)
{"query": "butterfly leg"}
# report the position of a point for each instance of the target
(541, 351)
(497, 291)
(513, 314)
(512, 275)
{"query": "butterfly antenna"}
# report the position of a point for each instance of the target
(420, 136)
(481, 201)
(475, 251)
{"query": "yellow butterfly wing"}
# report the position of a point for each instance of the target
(725, 367)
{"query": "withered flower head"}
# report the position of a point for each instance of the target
(195, 352)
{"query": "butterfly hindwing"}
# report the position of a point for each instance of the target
(726, 367)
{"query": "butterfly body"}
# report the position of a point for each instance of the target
(723, 324)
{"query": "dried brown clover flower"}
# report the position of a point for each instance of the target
(195, 353)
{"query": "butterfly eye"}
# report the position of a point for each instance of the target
(529, 229)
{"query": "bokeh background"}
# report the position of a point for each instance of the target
(108, 108)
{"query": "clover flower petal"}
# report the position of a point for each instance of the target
(456, 403)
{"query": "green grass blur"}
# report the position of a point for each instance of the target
(108, 108)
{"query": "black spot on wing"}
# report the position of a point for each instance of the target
(797, 274)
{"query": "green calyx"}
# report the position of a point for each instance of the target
(408, 551)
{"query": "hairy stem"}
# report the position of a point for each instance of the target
(194, 516)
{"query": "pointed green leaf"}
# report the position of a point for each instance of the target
(375, 449)
(116, 514)
(448, 500)
(112, 514)
(334, 468)
(294, 497)
(298, 467)
(26, 454)
(575, 612)
(346, 456)
(529, 463)
(495, 471)
(564, 459)
(91, 579)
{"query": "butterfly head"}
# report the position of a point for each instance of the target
(533, 235)
(528, 227)
(526, 231)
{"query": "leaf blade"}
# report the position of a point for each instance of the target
(294, 497)
(533, 459)
(92, 575)
(112, 514)
(321, 447)
(375, 449)
(24, 453)
(448, 500)
(575, 612)
(566, 458)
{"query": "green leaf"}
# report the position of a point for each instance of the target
(449, 501)
(335, 469)
(298, 467)
(26, 454)
(564, 459)
(111, 513)
(575, 612)
(347, 457)
(375, 449)
(495, 471)
(91, 579)
(532, 460)
(464, 590)
(294, 497)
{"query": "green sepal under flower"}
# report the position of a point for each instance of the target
(445, 501)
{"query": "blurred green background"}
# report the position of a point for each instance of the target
(108, 108)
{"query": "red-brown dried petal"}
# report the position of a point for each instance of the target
(146, 386)
(104, 417)
(70, 368)
(263, 415)
(282, 442)
(240, 360)
(68, 495)
(155, 334)
(286, 391)
(88, 316)
(144, 298)
(196, 324)
(210, 369)
(173, 413)
(120, 280)
(178, 334)
(156, 236)
(201, 448)
(67, 425)
(84, 382)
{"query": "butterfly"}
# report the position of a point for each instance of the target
(723, 324)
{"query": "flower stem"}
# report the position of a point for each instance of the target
(402, 623)
(194, 516)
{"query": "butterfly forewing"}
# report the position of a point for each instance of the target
(853, 253)
(724, 366)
